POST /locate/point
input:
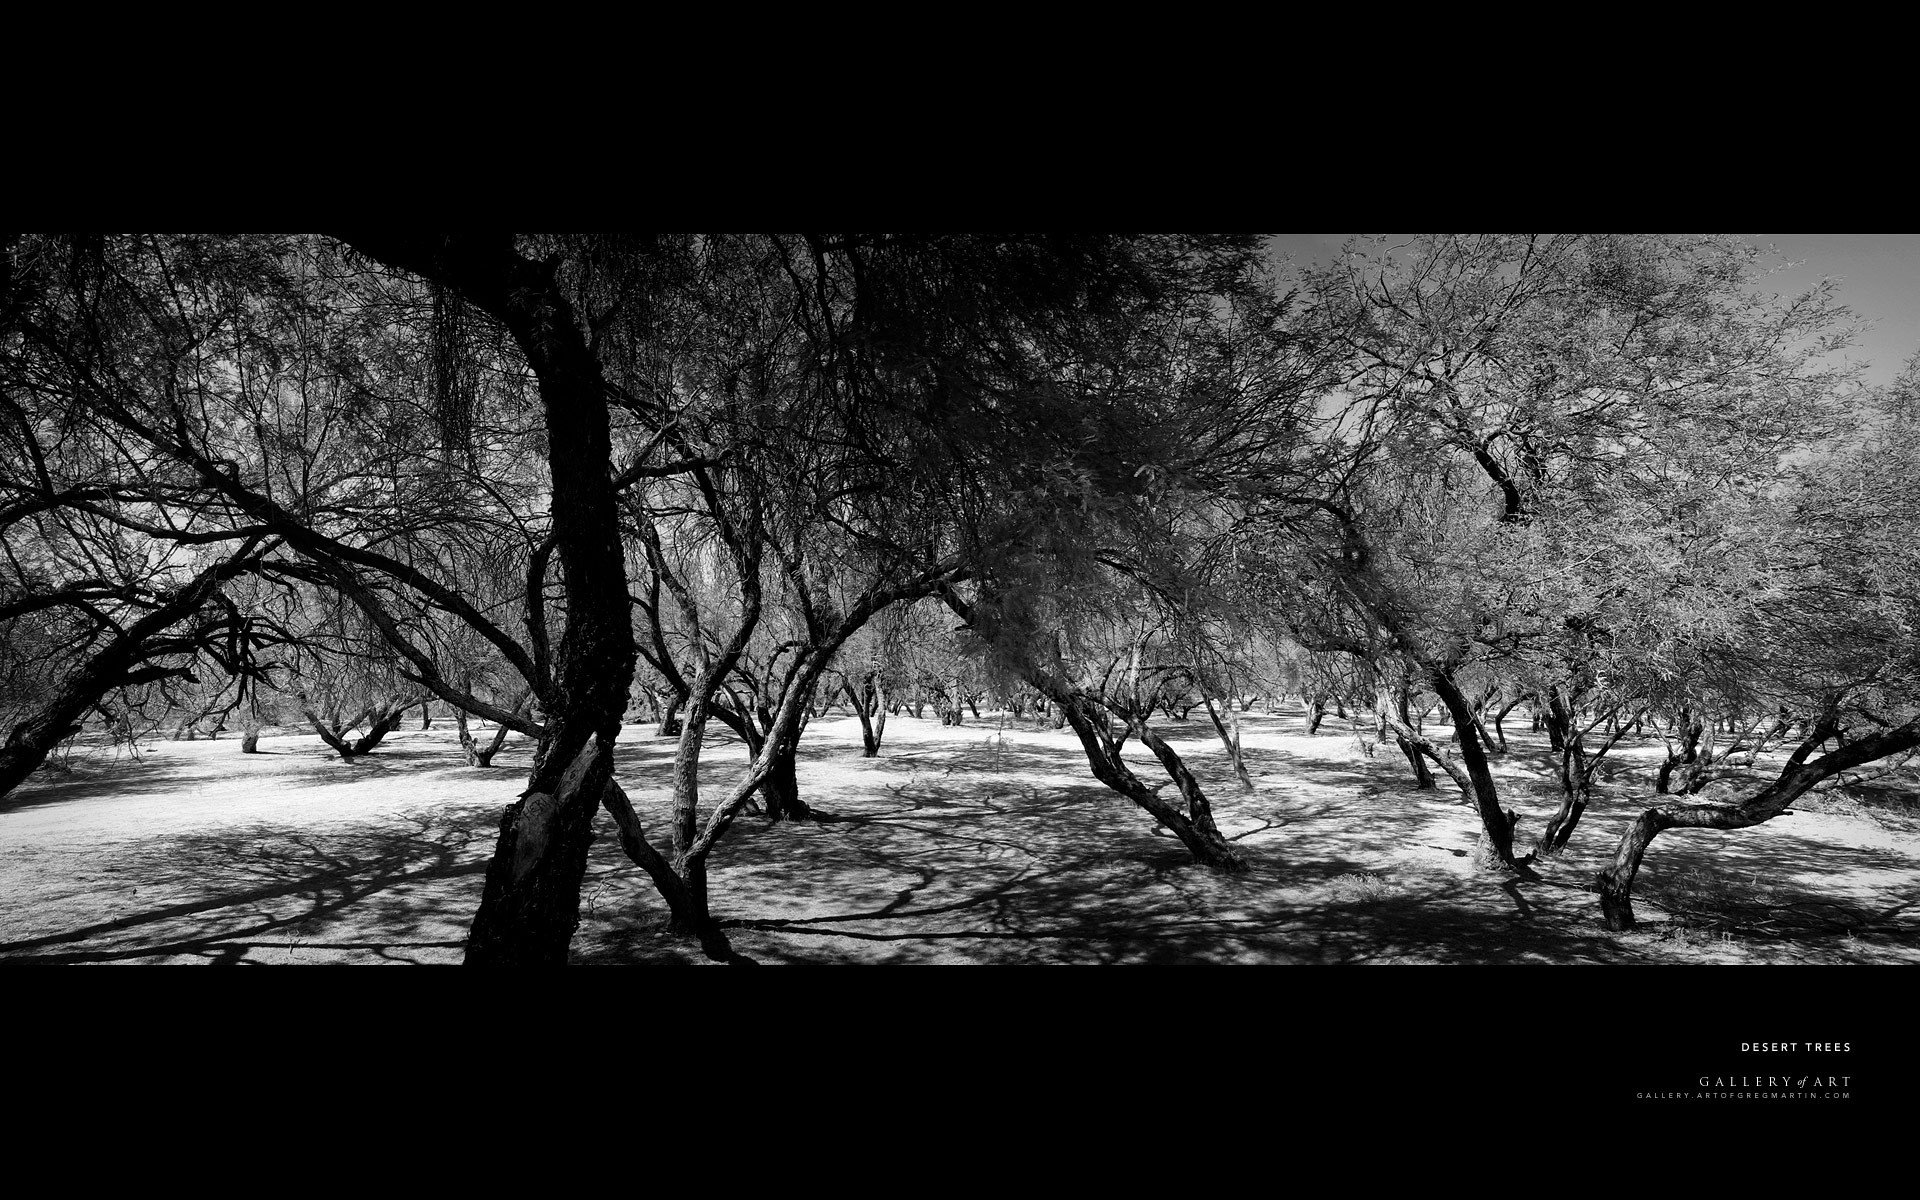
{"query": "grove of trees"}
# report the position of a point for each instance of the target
(560, 482)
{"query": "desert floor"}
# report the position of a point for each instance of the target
(986, 843)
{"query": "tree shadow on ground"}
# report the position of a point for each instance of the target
(982, 851)
(401, 893)
(967, 851)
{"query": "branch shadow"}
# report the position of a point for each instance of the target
(274, 893)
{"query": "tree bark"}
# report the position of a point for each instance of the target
(1422, 776)
(530, 905)
(1230, 739)
(1615, 884)
(670, 716)
(1683, 769)
(1575, 780)
(869, 703)
(1496, 842)
(781, 788)
(476, 754)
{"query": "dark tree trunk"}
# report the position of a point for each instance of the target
(426, 716)
(530, 905)
(1501, 716)
(1575, 781)
(670, 718)
(1615, 884)
(1197, 831)
(869, 703)
(1422, 775)
(781, 788)
(381, 721)
(382, 726)
(1576, 793)
(1316, 712)
(1496, 845)
(1684, 768)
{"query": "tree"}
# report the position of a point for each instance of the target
(1502, 391)
(1828, 631)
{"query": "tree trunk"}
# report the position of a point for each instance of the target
(332, 733)
(1575, 781)
(670, 718)
(1496, 843)
(1615, 884)
(530, 905)
(1684, 768)
(1230, 739)
(382, 726)
(1422, 776)
(1499, 717)
(781, 788)
(869, 703)
(476, 754)
(531, 902)
(1197, 832)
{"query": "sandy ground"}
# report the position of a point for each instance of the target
(984, 843)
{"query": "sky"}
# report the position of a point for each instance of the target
(1878, 276)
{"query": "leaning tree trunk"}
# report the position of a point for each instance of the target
(1201, 836)
(1230, 738)
(1615, 884)
(1499, 731)
(334, 732)
(382, 726)
(1422, 775)
(1495, 849)
(31, 740)
(1195, 828)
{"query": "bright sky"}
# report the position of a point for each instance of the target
(1878, 274)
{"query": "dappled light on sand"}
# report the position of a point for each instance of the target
(974, 844)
